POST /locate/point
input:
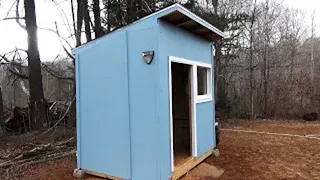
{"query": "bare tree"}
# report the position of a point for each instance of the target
(253, 17)
(79, 23)
(82, 16)
(265, 68)
(313, 26)
(37, 102)
(87, 21)
(97, 19)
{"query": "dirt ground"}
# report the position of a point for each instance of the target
(259, 156)
(242, 155)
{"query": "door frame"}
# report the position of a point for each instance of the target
(194, 91)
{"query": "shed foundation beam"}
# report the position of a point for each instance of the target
(187, 166)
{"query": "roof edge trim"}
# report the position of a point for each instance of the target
(198, 19)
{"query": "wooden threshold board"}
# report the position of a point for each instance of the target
(101, 175)
(188, 165)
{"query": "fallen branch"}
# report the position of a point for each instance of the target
(12, 163)
(36, 152)
(50, 157)
(37, 159)
(6, 157)
(65, 142)
(32, 152)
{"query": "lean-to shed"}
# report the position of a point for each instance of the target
(145, 106)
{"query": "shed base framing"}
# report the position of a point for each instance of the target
(190, 164)
(177, 173)
(101, 175)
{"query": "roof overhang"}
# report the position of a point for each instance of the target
(187, 20)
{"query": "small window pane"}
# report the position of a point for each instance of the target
(202, 80)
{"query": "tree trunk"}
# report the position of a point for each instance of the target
(265, 59)
(37, 102)
(251, 61)
(291, 88)
(251, 83)
(153, 5)
(79, 22)
(2, 122)
(80, 16)
(215, 4)
(87, 21)
(73, 18)
(130, 9)
(108, 6)
(265, 81)
(312, 59)
(97, 19)
(217, 68)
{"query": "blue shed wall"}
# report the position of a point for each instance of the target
(114, 66)
(205, 127)
(179, 43)
(103, 108)
(142, 94)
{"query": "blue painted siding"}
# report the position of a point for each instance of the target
(103, 116)
(179, 43)
(142, 91)
(77, 68)
(205, 127)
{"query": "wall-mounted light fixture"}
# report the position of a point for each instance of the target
(148, 56)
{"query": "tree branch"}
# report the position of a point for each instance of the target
(18, 16)
(7, 61)
(63, 15)
(12, 18)
(20, 75)
(64, 39)
(65, 49)
(54, 74)
(10, 8)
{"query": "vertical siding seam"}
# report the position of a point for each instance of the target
(77, 84)
(213, 97)
(129, 109)
(157, 92)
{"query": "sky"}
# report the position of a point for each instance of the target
(12, 36)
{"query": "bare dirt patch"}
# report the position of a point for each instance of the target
(258, 156)
(242, 155)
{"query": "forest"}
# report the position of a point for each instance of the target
(266, 67)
